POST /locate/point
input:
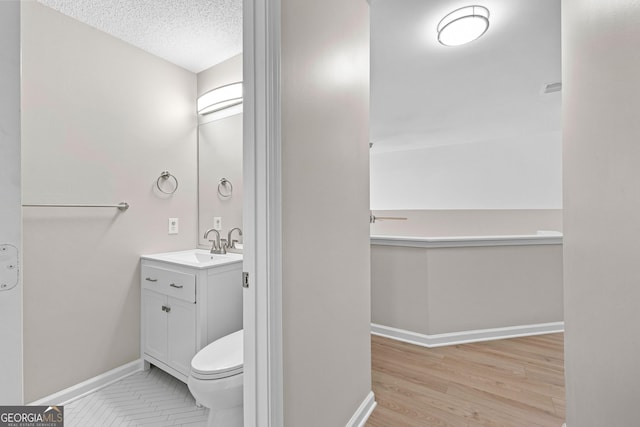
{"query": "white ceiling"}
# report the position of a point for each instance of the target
(194, 34)
(422, 93)
(425, 94)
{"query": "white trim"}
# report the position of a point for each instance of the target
(91, 385)
(11, 298)
(263, 388)
(363, 412)
(466, 241)
(439, 340)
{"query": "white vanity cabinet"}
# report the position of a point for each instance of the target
(184, 308)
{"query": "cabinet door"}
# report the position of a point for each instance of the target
(182, 334)
(154, 324)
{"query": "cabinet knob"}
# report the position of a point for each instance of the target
(173, 285)
(166, 308)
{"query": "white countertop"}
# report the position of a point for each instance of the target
(195, 258)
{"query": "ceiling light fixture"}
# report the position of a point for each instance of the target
(463, 25)
(220, 98)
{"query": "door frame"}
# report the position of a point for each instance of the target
(262, 302)
(11, 352)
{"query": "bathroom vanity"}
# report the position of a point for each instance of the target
(189, 299)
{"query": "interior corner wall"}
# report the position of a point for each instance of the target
(601, 205)
(326, 299)
(101, 120)
(10, 210)
(517, 173)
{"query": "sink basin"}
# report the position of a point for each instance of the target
(199, 258)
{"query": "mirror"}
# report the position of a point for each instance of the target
(220, 157)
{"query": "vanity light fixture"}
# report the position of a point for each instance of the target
(463, 25)
(220, 98)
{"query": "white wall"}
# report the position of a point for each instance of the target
(325, 210)
(601, 211)
(519, 173)
(10, 212)
(444, 290)
(101, 121)
(224, 73)
(467, 222)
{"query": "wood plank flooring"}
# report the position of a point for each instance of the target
(517, 382)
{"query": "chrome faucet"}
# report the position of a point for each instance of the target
(217, 246)
(232, 243)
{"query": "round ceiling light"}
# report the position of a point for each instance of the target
(463, 25)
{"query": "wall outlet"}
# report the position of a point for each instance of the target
(173, 225)
(217, 223)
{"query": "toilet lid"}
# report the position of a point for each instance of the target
(221, 358)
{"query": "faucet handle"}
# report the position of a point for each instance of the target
(223, 246)
(233, 244)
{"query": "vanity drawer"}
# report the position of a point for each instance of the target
(169, 282)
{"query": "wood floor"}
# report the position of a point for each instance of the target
(517, 382)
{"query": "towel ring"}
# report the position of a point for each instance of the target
(222, 186)
(165, 175)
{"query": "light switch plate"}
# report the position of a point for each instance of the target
(173, 225)
(217, 223)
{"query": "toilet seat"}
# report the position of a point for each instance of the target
(221, 359)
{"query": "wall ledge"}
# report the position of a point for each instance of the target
(467, 241)
(363, 412)
(478, 335)
(91, 385)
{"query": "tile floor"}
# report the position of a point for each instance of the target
(149, 398)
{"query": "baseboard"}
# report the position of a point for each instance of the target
(84, 388)
(363, 412)
(439, 340)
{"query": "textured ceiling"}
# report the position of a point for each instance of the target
(425, 94)
(422, 93)
(194, 34)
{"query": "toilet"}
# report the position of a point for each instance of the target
(216, 380)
